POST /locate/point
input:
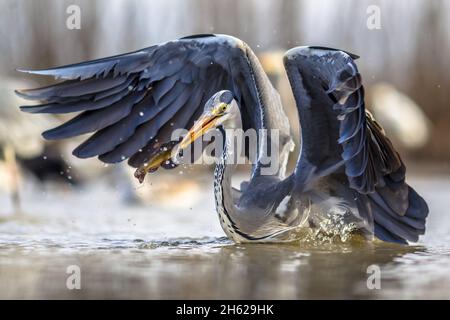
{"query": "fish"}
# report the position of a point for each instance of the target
(165, 157)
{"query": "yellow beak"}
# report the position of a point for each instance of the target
(205, 123)
(200, 127)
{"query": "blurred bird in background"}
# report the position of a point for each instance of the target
(22, 150)
(400, 116)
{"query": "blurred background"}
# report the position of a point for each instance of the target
(404, 64)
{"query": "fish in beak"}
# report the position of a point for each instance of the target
(168, 153)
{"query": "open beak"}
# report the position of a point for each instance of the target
(201, 126)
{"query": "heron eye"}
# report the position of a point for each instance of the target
(221, 108)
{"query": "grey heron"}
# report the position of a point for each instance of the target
(347, 172)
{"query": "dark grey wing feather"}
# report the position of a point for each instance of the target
(336, 128)
(128, 63)
(90, 121)
(132, 102)
(73, 88)
(147, 131)
(205, 88)
(339, 136)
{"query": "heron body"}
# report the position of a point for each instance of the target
(348, 175)
(268, 208)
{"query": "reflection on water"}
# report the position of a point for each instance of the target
(142, 252)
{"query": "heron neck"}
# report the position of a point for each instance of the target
(223, 192)
(226, 166)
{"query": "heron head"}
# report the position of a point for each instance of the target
(220, 110)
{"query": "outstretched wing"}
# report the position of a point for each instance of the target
(133, 102)
(340, 136)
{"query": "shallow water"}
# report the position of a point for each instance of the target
(150, 252)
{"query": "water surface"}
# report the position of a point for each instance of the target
(152, 252)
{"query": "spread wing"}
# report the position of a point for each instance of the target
(133, 102)
(339, 136)
(336, 128)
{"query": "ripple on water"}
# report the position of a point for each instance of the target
(185, 243)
